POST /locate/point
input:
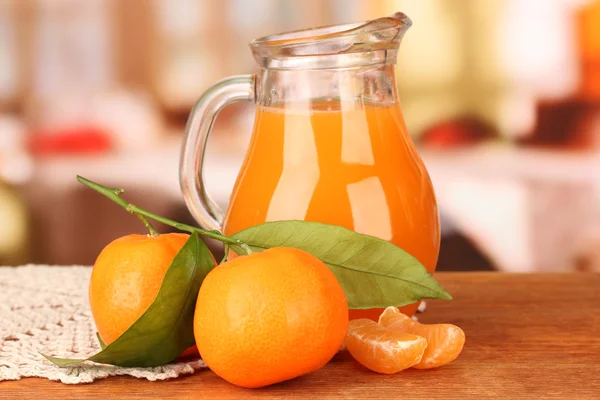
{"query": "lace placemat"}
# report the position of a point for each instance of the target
(44, 309)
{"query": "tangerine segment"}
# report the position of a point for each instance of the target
(383, 350)
(444, 341)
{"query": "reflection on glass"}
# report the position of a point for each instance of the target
(300, 172)
(356, 142)
(370, 212)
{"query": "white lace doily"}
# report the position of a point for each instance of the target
(44, 309)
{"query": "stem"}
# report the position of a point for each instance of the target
(148, 225)
(113, 194)
(225, 254)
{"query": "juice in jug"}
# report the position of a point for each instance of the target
(347, 164)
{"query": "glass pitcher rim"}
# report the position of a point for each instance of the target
(371, 36)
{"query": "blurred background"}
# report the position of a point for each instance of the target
(502, 98)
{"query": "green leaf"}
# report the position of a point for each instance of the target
(64, 362)
(165, 330)
(373, 272)
(102, 345)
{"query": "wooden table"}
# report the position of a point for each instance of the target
(529, 336)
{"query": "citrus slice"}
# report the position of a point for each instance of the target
(444, 341)
(383, 350)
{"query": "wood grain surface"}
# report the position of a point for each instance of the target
(529, 336)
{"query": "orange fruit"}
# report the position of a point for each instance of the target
(269, 317)
(444, 341)
(383, 350)
(126, 278)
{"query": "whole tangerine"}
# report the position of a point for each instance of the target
(269, 317)
(126, 278)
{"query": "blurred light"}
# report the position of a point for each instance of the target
(517, 113)
(72, 46)
(13, 229)
(186, 53)
(132, 118)
(248, 15)
(182, 21)
(536, 45)
(12, 133)
(16, 167)
(9, 76)
(431, 52)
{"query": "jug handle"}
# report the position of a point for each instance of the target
(236, 88)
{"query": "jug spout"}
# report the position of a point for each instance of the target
(346, 45)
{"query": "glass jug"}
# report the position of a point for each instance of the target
(329, 141)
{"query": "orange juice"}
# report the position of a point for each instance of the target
(345, 164)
